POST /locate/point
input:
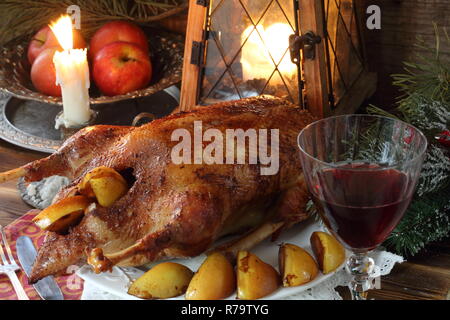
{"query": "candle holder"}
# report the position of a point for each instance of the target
(67, 132)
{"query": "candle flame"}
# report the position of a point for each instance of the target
(62, 29)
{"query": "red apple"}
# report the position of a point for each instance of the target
(45, 38)
(43, 73)
(117, 31)
(121, 67)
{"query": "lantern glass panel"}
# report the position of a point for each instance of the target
(345, 60)
(248, 51)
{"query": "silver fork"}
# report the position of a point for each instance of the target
(10, 268)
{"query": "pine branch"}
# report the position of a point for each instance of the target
(435, 174)
(427, 220)
(19, 18)
(371, 109)
(425, 103)
(428, 78)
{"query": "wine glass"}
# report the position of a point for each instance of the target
(361, 171)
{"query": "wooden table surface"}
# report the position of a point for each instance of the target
(425, 276)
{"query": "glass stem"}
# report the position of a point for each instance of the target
(360, 266)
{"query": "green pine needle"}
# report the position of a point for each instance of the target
(425, 103)
(427, 219)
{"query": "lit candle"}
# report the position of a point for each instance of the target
(72, 74)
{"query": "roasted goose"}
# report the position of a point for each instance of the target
(173, 210)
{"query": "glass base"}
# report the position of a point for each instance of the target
(360, 266)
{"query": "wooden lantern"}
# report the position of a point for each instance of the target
(307, 51)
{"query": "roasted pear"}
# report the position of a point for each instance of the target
(165, 280)
(330, 254)
(215, 279)
(61, 215)
(255, 278)
(297, 266)
(105, 184)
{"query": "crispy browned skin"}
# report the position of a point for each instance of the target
(173, 210)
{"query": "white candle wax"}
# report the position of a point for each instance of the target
(72, 74)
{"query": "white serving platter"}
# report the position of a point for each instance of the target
(118, 281)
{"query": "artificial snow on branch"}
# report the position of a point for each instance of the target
(425, 103)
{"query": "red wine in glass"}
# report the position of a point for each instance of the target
(361, 202)
(362, 171)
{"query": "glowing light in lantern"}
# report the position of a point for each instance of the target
(255, 57)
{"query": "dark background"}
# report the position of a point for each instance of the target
(401, 22)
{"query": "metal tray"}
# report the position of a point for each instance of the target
(30, 124)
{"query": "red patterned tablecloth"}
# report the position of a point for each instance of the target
(71, 285)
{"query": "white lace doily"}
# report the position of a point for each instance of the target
(384, 260)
